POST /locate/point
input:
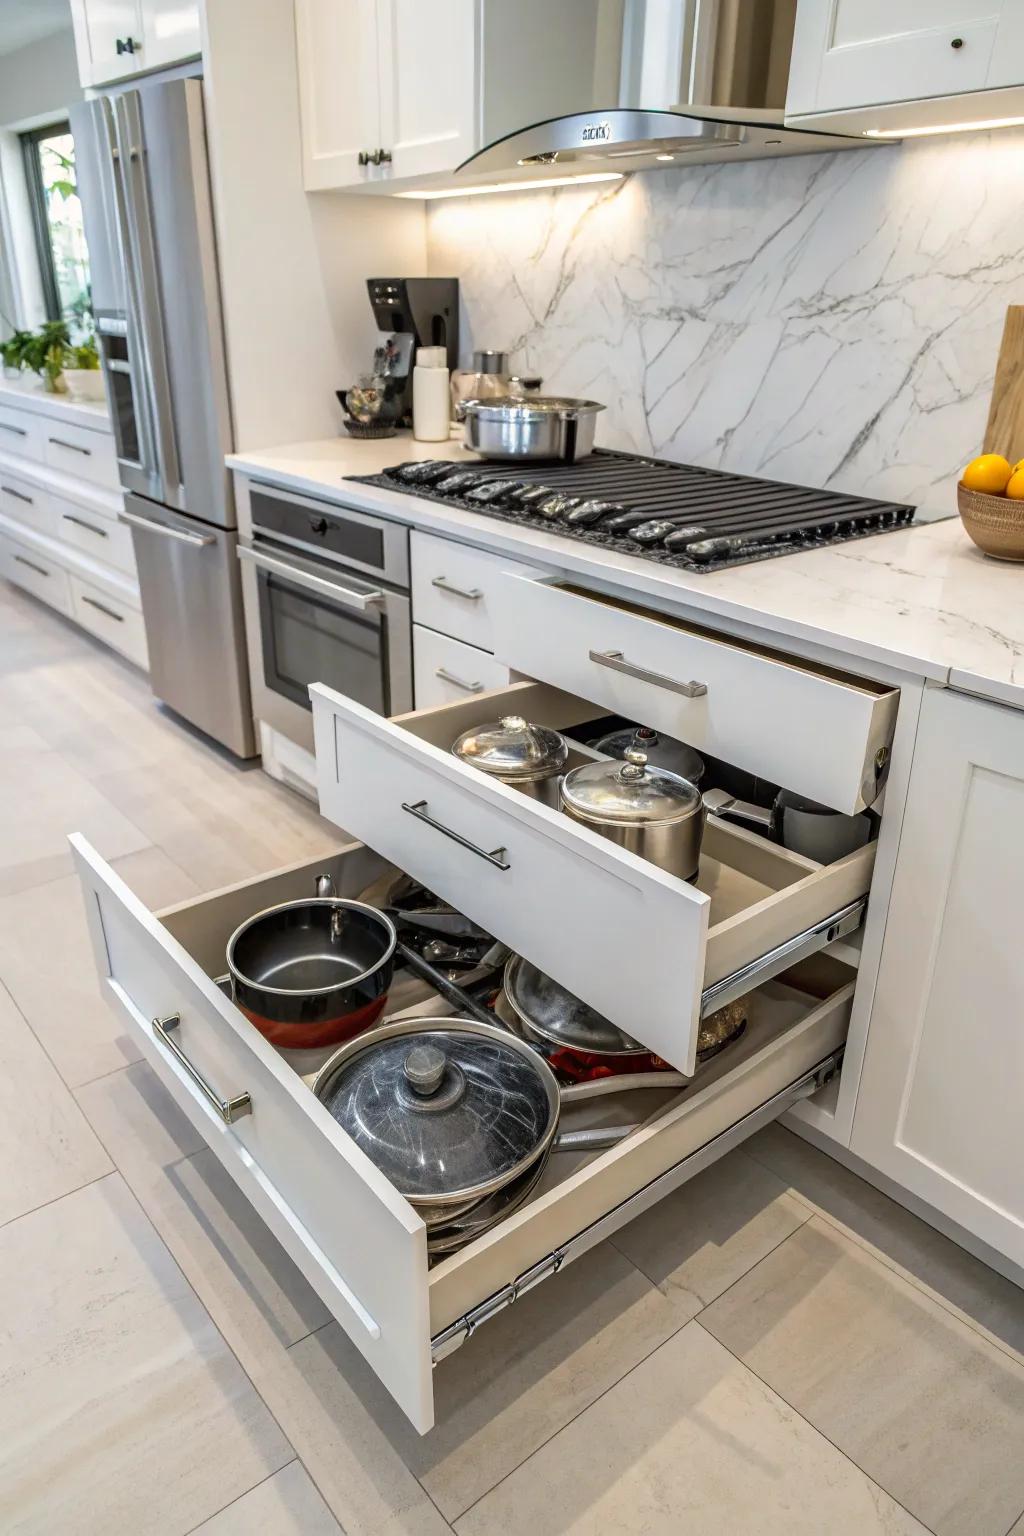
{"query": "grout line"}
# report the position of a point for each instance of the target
(243, 1495)
(64, 1195)
(111, 1072)
(745, 1365)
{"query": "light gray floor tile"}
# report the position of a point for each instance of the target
(524, 1376)
(689, 1442)
(287, 1504)
(121, 1409)
(926, 1256)
(46, 1146)
(928, 1407)
(697, 1242)
(249, 1285)
(155, 878)
(47, 964)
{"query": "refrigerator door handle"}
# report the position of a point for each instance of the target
(146, 292)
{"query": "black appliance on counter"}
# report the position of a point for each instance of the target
(416, 312)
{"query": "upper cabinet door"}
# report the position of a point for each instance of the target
(108, 40)
(428, 82)
(170, 32)
(856, 53)
(338, 89)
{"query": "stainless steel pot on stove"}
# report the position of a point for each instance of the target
(650, 811)
(529, 757)
(539, 427)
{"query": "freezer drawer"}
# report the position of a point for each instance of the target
(821, 733)
(610, 926)
(359, 1243)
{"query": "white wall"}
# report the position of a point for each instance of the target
(38, 82)
(293, 265)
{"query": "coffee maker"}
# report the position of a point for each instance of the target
(412, 312)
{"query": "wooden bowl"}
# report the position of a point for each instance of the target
(995, 523)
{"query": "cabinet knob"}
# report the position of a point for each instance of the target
(383, 157)
(363, 157)
(126, 45)
(957, 42)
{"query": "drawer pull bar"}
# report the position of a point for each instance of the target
(449, 677)
(9, 490)
(828, 931)
(117, 617)
(229, 1110)
(18, 431)
(471, 594)
(62, 442)
(39, 569)
(618, 663)
(449, 1339)
(80, 522)
(497, 857)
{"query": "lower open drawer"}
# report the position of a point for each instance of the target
(357, 1241)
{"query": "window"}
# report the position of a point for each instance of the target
(60, 235)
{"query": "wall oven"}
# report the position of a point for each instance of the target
(326, 594)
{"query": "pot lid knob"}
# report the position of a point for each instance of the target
(634, 766)
(512, 723)
(424, 1069)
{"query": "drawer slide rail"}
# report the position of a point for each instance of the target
(830, 929)
(456, 1334)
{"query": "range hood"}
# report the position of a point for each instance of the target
(699, 82)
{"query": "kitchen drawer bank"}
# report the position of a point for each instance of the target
(650, 951)
(358, 1242)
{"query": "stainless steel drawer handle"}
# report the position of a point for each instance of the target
(80, 522)
(471, 594)
(618, 663)
(40, 570)
(458, 682)
(229, 1110)
(496, 857)
(9, 490)
(117, 617)
(62, 442)
(200, 540)
(18, 431)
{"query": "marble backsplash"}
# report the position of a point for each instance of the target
(829, 319)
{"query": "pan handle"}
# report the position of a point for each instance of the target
(599, 1139)
(229, 1110)
(624, 1082)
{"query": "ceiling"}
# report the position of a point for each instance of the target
(26, 21)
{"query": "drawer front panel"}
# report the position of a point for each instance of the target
(38, 574)
(452, 587)
(611, 927)
(447, 670)
(28, 504)
(104, 538)
(21, 432)
(355, 1238)
(816, 733)
(110, 619)
(78, 451)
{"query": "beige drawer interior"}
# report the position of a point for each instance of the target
(825, 734)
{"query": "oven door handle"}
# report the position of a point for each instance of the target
(319, 584)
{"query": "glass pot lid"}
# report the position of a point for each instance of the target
(445, 1108)
(629, 791)
(512, 748)
(548, 1010)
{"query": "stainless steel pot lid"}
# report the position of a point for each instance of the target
(513, 407)
(447, 1109)
(512, 748)
(630, 791)
(662, 751)
(548, 1010)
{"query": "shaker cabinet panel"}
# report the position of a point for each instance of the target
(339, 89)
(428, 87)
(939, 1104)
(170, 32)
(108, 39)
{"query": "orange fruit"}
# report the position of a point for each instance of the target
(1015, 489)
(990, 473)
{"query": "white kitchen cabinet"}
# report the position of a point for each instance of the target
(896, 64)
(116, 39)
(939, 1105)
(395, 91)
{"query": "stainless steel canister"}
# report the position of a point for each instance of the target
(529, 757)
(652, 812)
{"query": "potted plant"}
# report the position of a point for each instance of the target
(46, 352)
(82, 371)
(12, 352)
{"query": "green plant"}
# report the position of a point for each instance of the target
(12, 351)
(85, 355)
(46, 352)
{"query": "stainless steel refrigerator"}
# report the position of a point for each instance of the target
(145, 188)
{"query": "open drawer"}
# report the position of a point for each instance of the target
(822, 733)
(358, 1242)
(651, 952)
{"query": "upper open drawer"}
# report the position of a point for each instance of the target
(821, 733)
(648, 950)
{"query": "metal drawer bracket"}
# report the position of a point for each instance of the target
(456, 1334)
(828, 931)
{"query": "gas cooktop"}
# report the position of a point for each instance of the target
(694, 519)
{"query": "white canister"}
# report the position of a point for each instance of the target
(430, 396)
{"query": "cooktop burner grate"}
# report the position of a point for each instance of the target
(757, 519)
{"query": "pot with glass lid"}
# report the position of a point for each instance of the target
(529, 757)
(650, 811)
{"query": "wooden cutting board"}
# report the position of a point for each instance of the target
(1005, 430)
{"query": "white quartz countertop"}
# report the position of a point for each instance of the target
(27, 394)
(925, 600)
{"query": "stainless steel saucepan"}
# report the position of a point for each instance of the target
(540, 427)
